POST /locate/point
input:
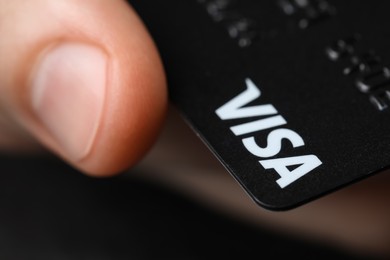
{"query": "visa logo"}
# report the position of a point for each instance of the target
(267, 117)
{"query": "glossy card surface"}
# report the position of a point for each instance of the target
(292, 96)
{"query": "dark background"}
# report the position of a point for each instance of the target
(49, 211)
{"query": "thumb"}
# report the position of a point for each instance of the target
(81, 77)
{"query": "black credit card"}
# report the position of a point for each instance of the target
(292, 96)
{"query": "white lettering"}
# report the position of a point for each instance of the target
(237, 108)
(234, 108)
(307, 164)
(274, 141)
(258, 125)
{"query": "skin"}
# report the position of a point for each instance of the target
(355, 218)
(135, 79)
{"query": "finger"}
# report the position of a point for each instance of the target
(82, 77)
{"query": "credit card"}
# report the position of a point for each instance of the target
(292, 96)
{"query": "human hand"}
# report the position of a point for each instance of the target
(83, 79)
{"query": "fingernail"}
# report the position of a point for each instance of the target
(67, 95)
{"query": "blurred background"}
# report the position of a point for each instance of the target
(48, 210)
